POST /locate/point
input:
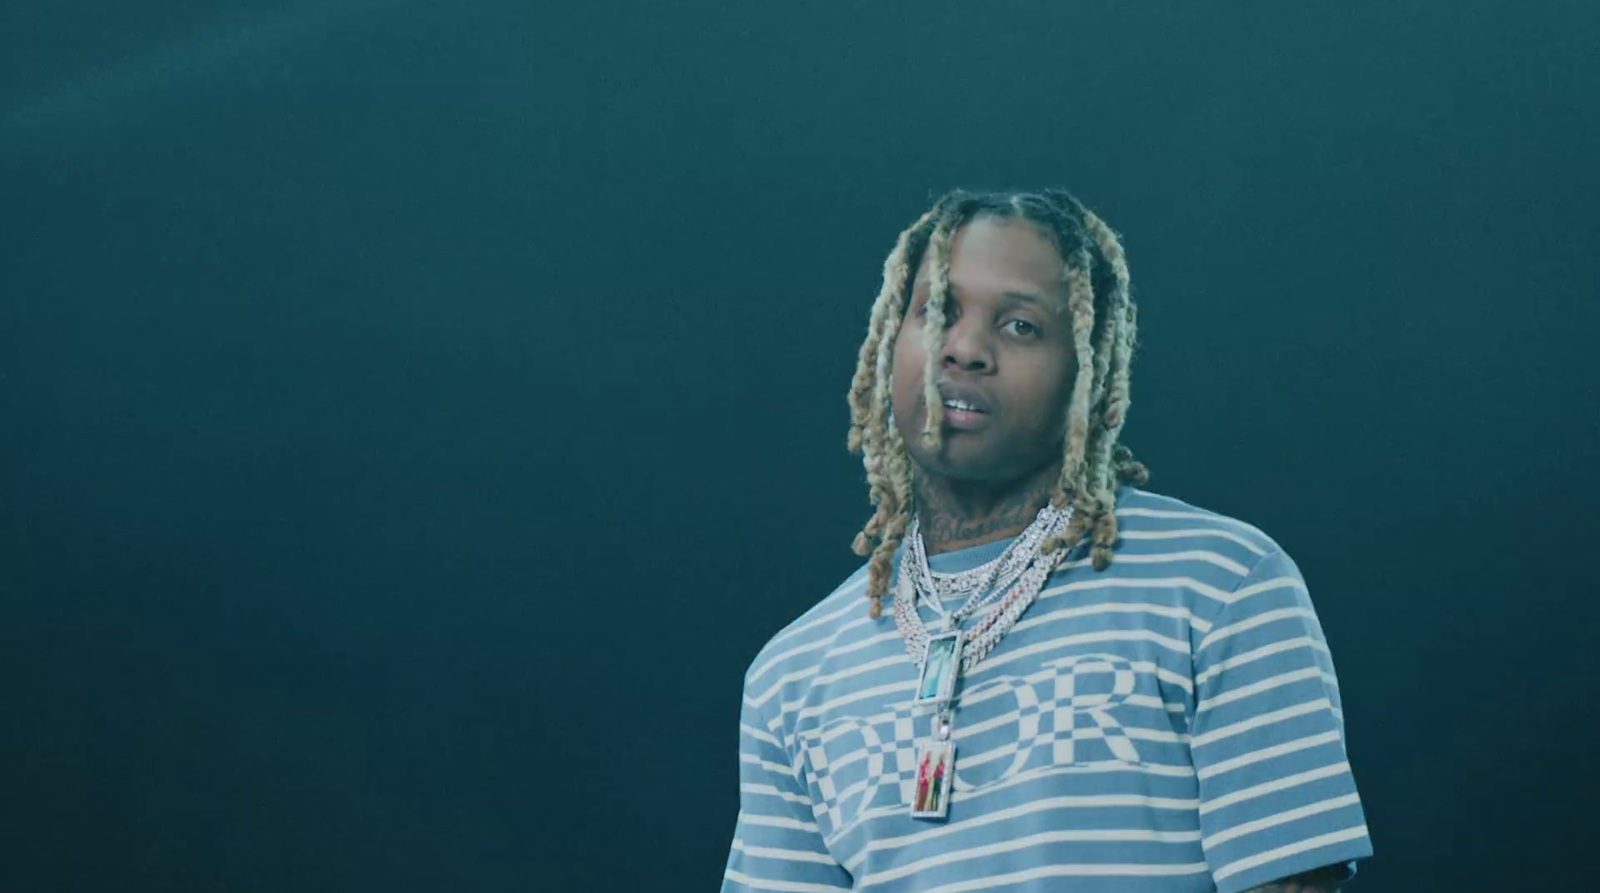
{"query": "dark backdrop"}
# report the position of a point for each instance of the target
(417, 414)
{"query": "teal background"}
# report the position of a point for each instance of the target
(417, 414)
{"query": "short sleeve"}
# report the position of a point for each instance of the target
(776, 843)
(1277, 796)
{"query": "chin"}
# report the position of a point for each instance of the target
(963, 464)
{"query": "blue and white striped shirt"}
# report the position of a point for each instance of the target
(1169, 724)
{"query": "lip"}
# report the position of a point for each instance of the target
(964, 419)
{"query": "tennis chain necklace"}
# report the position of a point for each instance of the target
(1011, 582)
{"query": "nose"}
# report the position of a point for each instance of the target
(966, 345)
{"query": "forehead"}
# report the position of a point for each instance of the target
(996, 255)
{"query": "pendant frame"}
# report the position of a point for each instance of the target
(941, 666)
(936, 775)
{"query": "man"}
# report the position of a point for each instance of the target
(1145, 699)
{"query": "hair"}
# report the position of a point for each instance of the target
(1103, 331)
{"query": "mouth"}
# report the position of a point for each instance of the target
(961, 405)
(965, 407)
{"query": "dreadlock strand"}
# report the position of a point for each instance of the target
(890, 295)
(1104, 350)
(1130, 469)
(860, 396)
(896, 512)
(1083, 473)
(867, 394)
(1113, 360)
(894, 314)
(1112, 462)
(1073, 484)
(1105, 537)
(1119, 460)
(1080, 302)
(1117, 398)
(1117, 327)
(883, 454)
(933, 331)
(881, 565)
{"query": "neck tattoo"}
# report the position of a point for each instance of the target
(947, 525)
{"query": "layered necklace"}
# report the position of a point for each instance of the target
(1010, 582)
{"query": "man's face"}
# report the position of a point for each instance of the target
(1008, 355)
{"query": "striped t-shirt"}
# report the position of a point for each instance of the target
(1169, 724)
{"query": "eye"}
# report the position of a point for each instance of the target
(1022, 327)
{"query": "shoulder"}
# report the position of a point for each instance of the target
(1145, 516)
(800, 645)
(1239, 578)
(1215, 555)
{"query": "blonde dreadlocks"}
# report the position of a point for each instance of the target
(1103, 328)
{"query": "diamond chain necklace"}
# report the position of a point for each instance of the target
(1021, 564)
(988, 581)
(941, 658)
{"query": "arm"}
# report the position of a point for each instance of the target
(777, 845)
(1278, 802)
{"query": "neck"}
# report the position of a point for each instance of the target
(960, 514)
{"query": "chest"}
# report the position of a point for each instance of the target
(1079, 702)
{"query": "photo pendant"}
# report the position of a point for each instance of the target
(937, 684)
(936, 774)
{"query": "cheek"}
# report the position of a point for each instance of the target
(1068, 378)
(1051, 388)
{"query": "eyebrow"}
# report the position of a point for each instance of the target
(1052, 305)
(1049, 305)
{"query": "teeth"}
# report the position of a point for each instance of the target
(961, 404)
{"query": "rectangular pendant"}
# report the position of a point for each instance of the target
(937, 684)
(936, 773)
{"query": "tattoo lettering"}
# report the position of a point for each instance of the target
(948, 522)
